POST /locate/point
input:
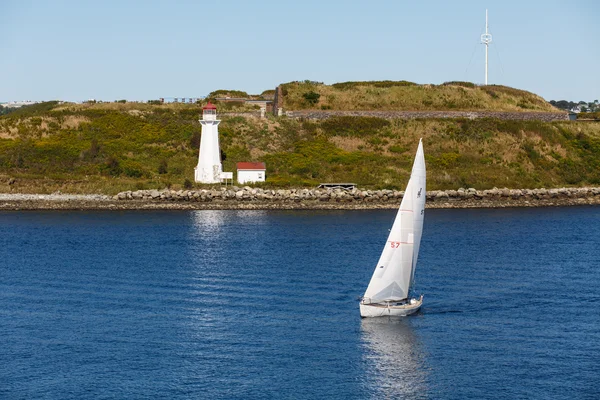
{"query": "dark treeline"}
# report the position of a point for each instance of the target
(581, 105)
(5, 110)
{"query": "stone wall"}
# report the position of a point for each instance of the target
(521, 116)
(377, 198)
(247, 198)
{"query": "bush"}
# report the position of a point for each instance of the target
(378, 84)
(589, 115)
(460, 83)
(353, 126)
(311, 97)
(112, 166)
(228, 93)
(195, 140)
(162, 167)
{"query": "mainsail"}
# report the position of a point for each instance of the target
(417, 177)
(394, 273)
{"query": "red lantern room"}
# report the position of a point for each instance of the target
(209, 112)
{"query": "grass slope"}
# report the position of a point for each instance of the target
(403, 95)
(107, 148)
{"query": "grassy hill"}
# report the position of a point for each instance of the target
(403, 95)
(110, 147)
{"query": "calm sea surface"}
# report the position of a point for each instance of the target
(263, 304)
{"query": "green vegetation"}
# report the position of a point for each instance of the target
(269, 92)
(378, 84)
(469, 85)
(409, 96)
(589, 115)
(228, 93)
(110, 147)
(583, 106)
(5, 110)
(311, 97)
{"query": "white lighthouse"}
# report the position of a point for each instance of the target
(209, 166)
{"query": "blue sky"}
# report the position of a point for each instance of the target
(139, 50)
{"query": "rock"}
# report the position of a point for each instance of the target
(441, 195)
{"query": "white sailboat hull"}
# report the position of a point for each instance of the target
(388, 310)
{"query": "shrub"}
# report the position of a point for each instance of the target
(353, 126)
(94, 149)
(589, 115)
(227, 93)
(378, 84)
(311, 97)
(460, 83)
(112, 166)
(162, 167)
(397, 149)
(195, 140)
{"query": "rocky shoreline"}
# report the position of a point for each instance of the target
(248, 198)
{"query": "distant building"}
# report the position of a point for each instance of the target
(189, 100)
(250, 172)
(17, 104)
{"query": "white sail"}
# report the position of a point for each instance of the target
(394, 272)
(417, 180)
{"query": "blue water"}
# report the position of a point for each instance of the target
(263, 304)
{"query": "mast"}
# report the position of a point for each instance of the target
(486, 39)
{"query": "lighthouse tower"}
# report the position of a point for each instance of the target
(209, 166)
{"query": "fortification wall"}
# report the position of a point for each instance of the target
(520, 116)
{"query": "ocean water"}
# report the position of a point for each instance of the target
(263, 305)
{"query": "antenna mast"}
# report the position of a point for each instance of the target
(486, 39)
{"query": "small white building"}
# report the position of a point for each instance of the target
(250, 172)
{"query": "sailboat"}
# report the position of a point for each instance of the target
(389, 291)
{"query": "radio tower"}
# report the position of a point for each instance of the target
(486, 39)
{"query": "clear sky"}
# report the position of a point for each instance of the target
(139, 50)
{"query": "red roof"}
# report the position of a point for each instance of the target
(209, 106)
(251, 165)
